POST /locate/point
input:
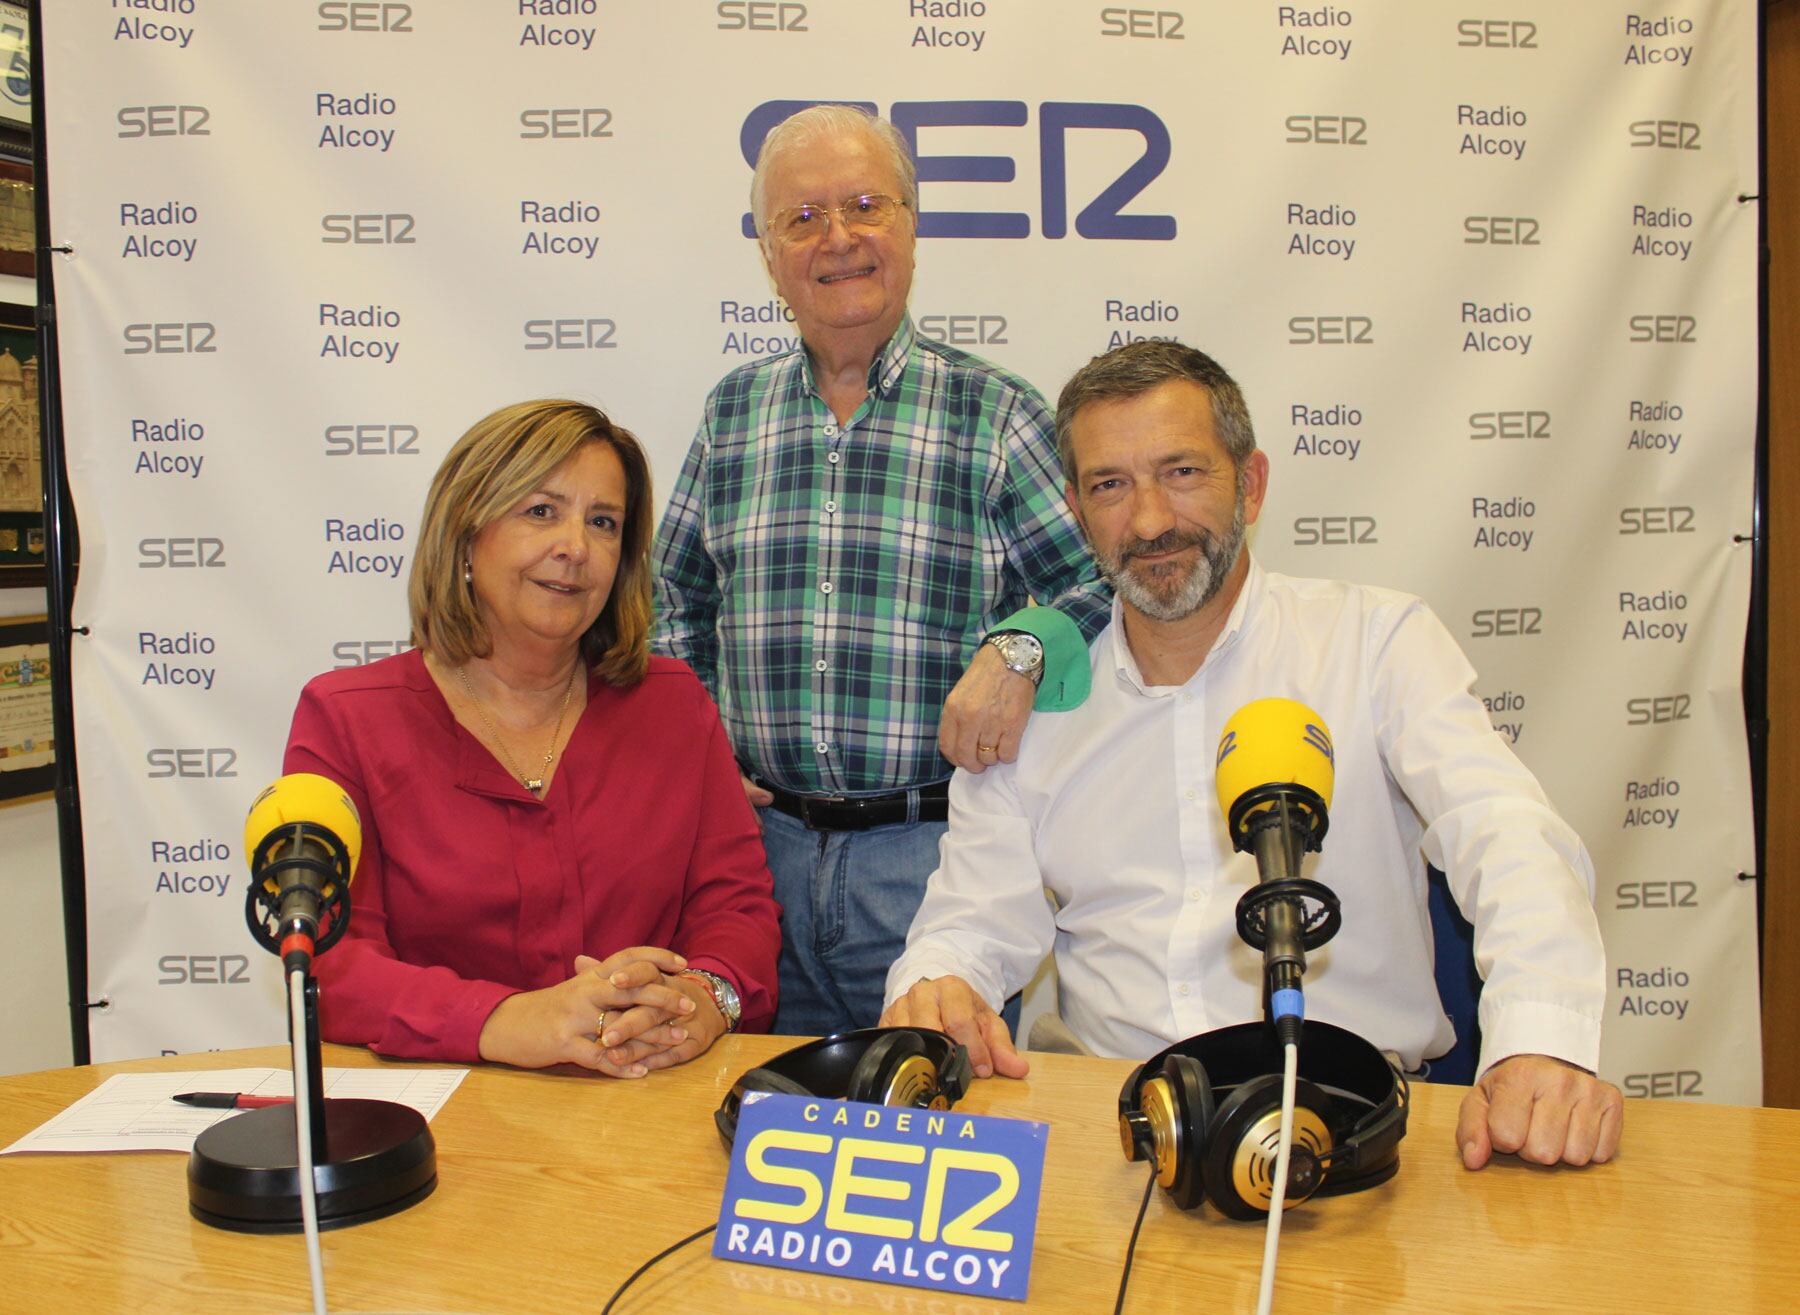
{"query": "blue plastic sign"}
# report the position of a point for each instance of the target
(928, 1198)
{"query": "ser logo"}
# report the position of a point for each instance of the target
(1657, 895)
(1102, 218)
(1485, 425)
(1663, 328)
(361, 652)
(364, 16)
(164, 121)
(1664, 1085)
(577, 335)
(203, 970)
(191, 764)
(371, 440)
(1506, 622)
(1656, 520)
(1150, 24)
(1658, 711)
(1310, 531)
(1327, 129)
(1497, 33)
(191, 552)
(570, 121)
(762, 16)
(964, 330)
(1331, 330)
(1665, 135)
(367, 230)
(1500, 231)
(170, 338)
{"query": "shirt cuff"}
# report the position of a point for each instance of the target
(461, 1042)
(1067, 673)
(1532, 1027)
(913, 966)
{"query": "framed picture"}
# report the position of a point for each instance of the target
(22, 544)
(15, 63)
(18, 220)
(27, 740)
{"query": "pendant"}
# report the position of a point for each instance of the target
(535, 784)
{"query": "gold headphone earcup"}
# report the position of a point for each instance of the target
(1183, 1112)
(894, 1070)
(1240, 1157)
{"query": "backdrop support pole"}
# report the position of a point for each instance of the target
(60, 582)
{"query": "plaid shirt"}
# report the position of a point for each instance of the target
(830, 584)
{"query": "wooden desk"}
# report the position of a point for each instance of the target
(552, 1188)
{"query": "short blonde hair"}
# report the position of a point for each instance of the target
(500, 460)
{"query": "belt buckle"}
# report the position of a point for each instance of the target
(806, 809)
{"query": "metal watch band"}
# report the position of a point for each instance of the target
(724, 995)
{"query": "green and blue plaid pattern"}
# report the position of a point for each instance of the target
(830, 584)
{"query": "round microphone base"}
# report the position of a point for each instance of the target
(244, 1175)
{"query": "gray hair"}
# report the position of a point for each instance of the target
(821, 121)
(1138, 367)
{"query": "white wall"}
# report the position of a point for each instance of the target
(34, 1025)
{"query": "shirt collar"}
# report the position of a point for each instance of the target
(884, 370)
(891, 360)
(1125, 666)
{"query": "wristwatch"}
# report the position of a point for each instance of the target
(724, 995)
(1022, 652)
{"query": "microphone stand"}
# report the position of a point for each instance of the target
(370, 1158)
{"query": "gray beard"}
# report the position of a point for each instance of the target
(1173, 595)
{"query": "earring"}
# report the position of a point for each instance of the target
(468, 572)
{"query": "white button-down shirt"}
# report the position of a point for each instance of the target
(1111, 808)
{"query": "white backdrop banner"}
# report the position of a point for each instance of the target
(1489, 282)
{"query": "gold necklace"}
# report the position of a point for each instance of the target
(535, 784)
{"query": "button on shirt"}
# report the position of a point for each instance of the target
(1112, 809)
(830, 583)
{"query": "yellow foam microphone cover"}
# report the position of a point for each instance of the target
(304, 797)
(1274, 741)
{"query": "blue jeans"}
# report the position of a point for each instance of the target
(847, 898)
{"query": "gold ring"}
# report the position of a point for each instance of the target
(600, 1027)
(987, 748)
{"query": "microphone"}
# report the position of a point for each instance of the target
(1274, 774)
(304, 839)
(314, 1163)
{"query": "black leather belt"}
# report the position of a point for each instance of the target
(929, 803)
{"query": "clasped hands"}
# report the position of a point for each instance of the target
(1543, 1110)
(653, 1018)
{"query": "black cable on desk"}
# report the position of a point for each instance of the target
(1131, 1247)
(666, 1252)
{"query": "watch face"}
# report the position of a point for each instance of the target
(1022, 651)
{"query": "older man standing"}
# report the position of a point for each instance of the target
(853, 520)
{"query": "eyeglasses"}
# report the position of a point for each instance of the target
(871, 212)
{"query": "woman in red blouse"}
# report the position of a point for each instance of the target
(559, 864)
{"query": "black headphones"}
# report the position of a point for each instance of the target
(912, 1066)
(1207, 1111)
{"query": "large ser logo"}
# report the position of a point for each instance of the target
(1100, 218)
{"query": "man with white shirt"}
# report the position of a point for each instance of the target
(1111, 809)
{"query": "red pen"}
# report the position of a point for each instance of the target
(230, 1100)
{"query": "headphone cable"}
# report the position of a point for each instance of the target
(639, 1272)
(1131, 1246)
(1265, 1296)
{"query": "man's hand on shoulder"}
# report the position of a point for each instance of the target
(1545, 1110)
(951, 1005)
(985, 715)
